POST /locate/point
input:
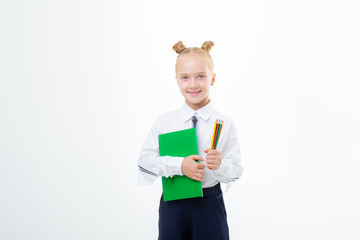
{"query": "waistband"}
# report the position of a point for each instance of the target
(212, 191)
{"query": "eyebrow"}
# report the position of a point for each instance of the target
(195, 73)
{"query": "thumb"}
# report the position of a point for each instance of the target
(207, 150)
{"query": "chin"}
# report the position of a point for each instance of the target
(195, 102)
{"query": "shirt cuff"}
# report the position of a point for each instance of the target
(145, 179)
(174, 166)
(179, 161)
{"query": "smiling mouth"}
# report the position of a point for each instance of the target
(194, 94)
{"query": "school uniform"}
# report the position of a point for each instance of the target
(195, 218)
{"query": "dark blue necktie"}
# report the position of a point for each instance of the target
(194, 120)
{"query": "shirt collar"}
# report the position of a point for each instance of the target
(204, 112)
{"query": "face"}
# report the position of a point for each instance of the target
(194, 79)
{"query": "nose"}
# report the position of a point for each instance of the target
(193, 83)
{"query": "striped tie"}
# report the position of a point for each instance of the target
(194, 120)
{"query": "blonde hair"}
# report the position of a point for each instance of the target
(180, 49)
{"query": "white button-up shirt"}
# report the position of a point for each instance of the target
(151, 165)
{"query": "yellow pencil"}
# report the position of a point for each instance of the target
(213, 136)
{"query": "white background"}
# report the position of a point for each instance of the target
(81, 82)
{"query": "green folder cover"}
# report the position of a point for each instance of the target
(179, 144)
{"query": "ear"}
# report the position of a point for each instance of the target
(213, 79)
(177, 80)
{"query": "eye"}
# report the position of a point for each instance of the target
(201, 76)
(184, 77)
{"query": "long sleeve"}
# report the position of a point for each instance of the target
(151, 165)
(230, 168)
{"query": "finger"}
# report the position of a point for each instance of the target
(210, 157)
(211, 161)
(214, 152)
(207, 150)
(211, 166)
(202, 171)
(200, 177)
(197, 178)
(197, 157)
(201, 166)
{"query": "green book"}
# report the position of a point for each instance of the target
(179, 144)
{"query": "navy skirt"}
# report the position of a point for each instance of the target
(194, 218)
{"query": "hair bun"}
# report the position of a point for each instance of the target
(179, 47)
(207, 45)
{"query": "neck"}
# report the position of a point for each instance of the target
(199, 105)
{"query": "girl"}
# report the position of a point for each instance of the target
(203, 217)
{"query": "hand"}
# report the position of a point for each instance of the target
(193, 169)
(213, 158)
